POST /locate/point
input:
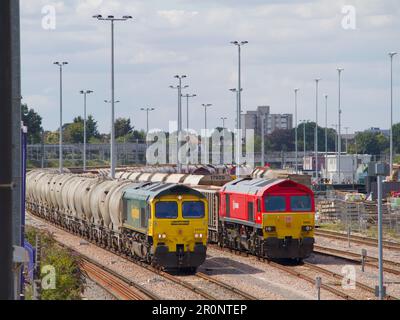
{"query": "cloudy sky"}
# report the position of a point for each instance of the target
(290, 44)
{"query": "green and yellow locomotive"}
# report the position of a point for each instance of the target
(168, 222)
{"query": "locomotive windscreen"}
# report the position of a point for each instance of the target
(193, 209)
(167, 210)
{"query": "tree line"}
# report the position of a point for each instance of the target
(366, 142)
(74, 132)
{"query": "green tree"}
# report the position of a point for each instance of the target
(396, 138)
(73, 132)
(33, 121)
(370, 143)
(122, 127)
(284, 140)
(51, 137)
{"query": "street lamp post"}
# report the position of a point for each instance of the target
(347, 138)
(304, 141)
(112, 19)
(112, 134)
(147, 117)
(223, 122)
(335, 126)
(391, 55)
(339, 124)
(239, 106)
(326, 136)
(295, 123)
(316, 129)
(60, 65)
(205, 113)
(85, 93)
(179, 88)
(187, 96)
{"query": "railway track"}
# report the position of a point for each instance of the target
(142, 264)
(293, 270)
(388, 266)
(357, 239)
(237, 291)
(335, 275)
(120, 287)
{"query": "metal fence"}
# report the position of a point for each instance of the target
(48, 154)
(358, 216)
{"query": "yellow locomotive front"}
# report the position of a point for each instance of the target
(288, 224)
(168, 224)
(178, 228)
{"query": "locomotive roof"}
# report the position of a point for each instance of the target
(254, 186)
(151, 190)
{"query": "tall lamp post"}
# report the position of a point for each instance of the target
(304, 141)
(391, 55)
(205, 113)
(187, 96)
(147, 117)
(326, 136)
(60, 65)
(223, 122)
(179, 88)
(335, 126)
(112, 136)
(316, 128)
(239, 106)
(85, 93)
(112, 19)
(295, 131)
(339, 124)
(347, 137)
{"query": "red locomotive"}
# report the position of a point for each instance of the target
(268, 218)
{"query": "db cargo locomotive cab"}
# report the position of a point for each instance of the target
(271, 218)
(174, 219)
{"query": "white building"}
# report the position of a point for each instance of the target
(348, 167)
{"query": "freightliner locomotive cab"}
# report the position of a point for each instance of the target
(171, 220)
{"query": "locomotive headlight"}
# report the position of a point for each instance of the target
(306, 228)
(162, 236)
(270, 229)
(198, 235)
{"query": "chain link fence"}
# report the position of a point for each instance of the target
(358, 215)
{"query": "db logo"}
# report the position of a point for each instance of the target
(235, 205)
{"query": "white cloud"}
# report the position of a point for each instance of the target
(290, 43)
(177, 18)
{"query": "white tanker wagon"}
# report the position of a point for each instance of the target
(154, 221)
